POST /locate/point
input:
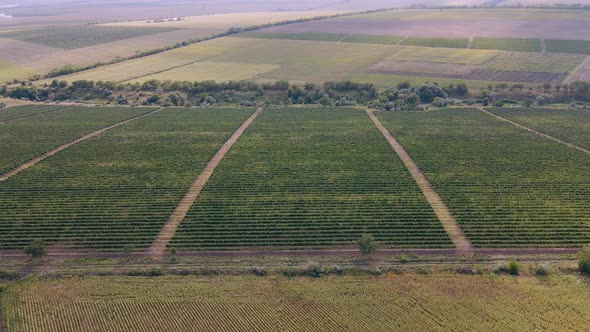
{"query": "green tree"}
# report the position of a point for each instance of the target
(37, 248)
(367, 244)
(584, 263)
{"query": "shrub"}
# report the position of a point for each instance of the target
(367, 244)
(337, 270)
(36, 249)
(584, 262)
(259, 271)
(313, 270)
(543, 270)
(513, 268)
(9, 276)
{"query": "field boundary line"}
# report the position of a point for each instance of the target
(402, 40)
(470, 41)
(158, 247)
(534, 131)
(446, 218)
(62, 147)
(543, 46)
(32, 115)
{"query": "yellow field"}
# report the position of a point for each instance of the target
(9, 72)
(211, 71)
(389, 303)
(444, 55)
(226, 21)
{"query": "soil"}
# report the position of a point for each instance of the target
(158, 248)
(462, 243)
(50, 153)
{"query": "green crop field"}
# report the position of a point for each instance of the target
(372, 39)
(310, 177)
(117, 190)
(72, 37)
(443, 55)
(507, 44)
(229, 303)
(13, 113)
(570, 125)
(568, 46)
(506, 186)
(436, 42)
(29, 137)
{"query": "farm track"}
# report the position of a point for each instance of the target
(543, 46)
(534, 131)
(580, 67)
(454, 231)
(52, 152)
(32, 115)
(158, 247)
(471, 38)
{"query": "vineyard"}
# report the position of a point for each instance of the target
(436, 42)
(570, 125)
(390, 303)
(14, 113)
(117, 190)
(506, 186)
(508, 44)
(310, 178)
(29, 137)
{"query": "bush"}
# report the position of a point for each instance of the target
(37, 248)
(2, 105)
(584, 262)
(9, 275)
(543, 270)
(313, 270)
(513, 268)
(337, 270)
(367, 244)
(259, 271)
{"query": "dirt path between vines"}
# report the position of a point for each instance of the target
(158, 247)
(534, 131)
(454, 231)
(50, 153)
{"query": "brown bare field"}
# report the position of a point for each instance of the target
(465, 28)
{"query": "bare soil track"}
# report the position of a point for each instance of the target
(50, 153)
(462, 243)
(534, 131)
(158, 248)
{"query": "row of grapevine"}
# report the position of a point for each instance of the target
(14, 113)
(28, 137)
(310, 178)
(506, 186)
(391, 303)
(115, 190)
(570, 125)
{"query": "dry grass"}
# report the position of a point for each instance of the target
(389, 303)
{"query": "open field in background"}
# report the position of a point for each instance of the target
(389, 303)
(116, 190)
(568, 46)
(569, 125)
(80, 36)
(29, 137)
(507, 44)
(226, 21)
(496, 14)
(310, 178)
(506, 186)
(212, 71)
(9, 71)
(435, 42)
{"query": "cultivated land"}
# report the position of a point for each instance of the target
(507, 44)
(29, 137)
(506, 186)
(117, 190)
(569, 125)
(10, 114)
(388, 303)
(306, 178)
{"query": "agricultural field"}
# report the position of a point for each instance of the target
(29, 137)
(389, 303)
(9, 114)
(568, 46)
(569, 125)
(211, 71)
(345, 38)
(306, 178)
(114, 191)
(507, 44)
(507, 187)
(72, 37)
(435, 42)
(9, 71)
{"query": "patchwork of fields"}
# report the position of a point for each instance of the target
(390, 303)
(116, 190)
(310, 177)
(506, 186)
